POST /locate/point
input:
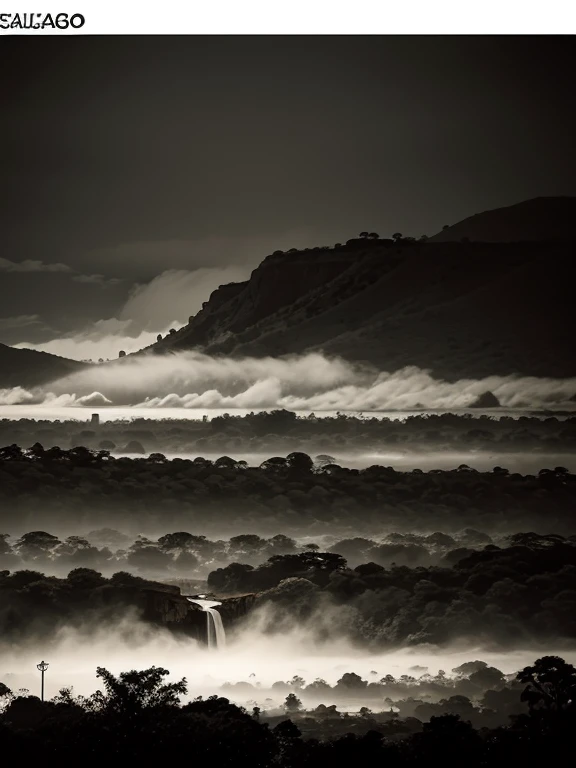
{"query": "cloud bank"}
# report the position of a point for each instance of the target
(251, 655)
(165, 302)
(102, 340)
(175, 295)
(305, 382)
(31, 265)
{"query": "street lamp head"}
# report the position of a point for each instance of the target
(43, 666)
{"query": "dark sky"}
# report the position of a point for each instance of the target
(129, 156)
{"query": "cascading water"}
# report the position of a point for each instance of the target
(215, 631)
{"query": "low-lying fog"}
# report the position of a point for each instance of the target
(56, 412)
(407, 459)
(250, 657)
(483, 461)
(307, 382)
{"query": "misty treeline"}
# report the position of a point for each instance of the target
(34, 606)
(190, 557)
(473, 690)
(42, 488)
(278, 430)
(139, 715)
(515, 595)
(520, 594)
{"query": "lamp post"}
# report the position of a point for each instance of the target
(43, 666)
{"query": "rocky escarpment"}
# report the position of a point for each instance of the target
(491, 295)
(458, 309)
(279, 281)
(175, 612)
(233, 609)
(488, 296)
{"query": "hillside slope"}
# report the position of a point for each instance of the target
(28, 368)
(539, 219)
(462, 309)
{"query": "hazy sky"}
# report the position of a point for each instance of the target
(126, 158)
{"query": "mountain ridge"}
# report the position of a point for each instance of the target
(458, 304)
(538, 219)
(461, 308)
(29, 368)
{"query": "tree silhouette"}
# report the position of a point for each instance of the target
(138, 689)
(323, 459)
(551, 684)
(292, 704)
(36, 544)
(300, 462)
(274, 464)
(397, 236)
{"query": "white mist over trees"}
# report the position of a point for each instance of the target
(301, 382)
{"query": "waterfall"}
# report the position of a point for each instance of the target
(215, 631)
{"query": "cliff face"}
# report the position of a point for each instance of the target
(233, 609)
(280, 281)
(174, 611)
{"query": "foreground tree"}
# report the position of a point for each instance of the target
(550, 684)
(136, 690)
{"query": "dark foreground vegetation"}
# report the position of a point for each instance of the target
(139, 716)
(275, 431)
(521, 594)
(57, 488)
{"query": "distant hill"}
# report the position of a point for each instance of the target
(540, 219)
(462, 309)
(28, 368)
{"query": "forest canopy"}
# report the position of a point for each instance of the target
(85, 488)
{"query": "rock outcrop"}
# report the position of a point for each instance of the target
(174, 611)
(280, 281)
(486, 400)
(233, 609)
(166, 606)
